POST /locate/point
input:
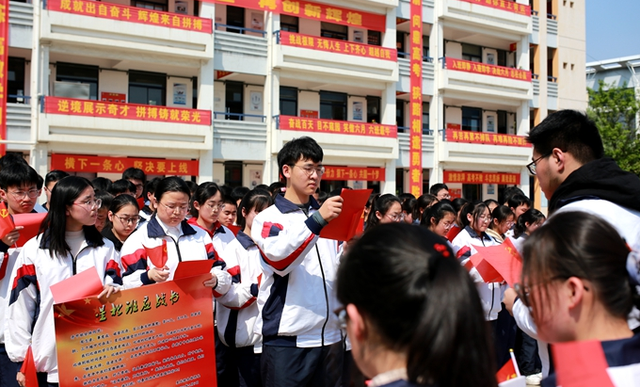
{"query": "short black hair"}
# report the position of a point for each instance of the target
(17, 174)
(121, 186)
(239, 192)
(571, 131)
(55, 175)
(437, 188)
(518, 200)
(134, 173)
(12, 158)
(102, 184)
(299, 148)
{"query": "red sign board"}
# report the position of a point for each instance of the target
(454, 126)
(221, 74)
(505, 5)
(353, 173)
(487, 69)
(97, 164)
(415, 99)
(308, 113)
(113, 97)
(338, 127)
(337, 46)
(131, 14)
(125, 111)
(486, 138)
(481, 178)
(4, 62)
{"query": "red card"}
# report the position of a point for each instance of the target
(488, 273)
(84, 284)
(580, 363)
(158, 255)
(188, 269)
(344, 227)
(31, 223)
(505, 259)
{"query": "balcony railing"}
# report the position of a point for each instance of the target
(469, 137)
(335, 46)
(237, 116)
(485, 69)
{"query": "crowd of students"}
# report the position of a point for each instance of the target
(399, 305)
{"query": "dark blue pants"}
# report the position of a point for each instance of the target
(302, 367)
(8, 369)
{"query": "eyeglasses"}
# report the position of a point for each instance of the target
(447, 225)
(532, 165)
(128, 220)
(485, 218)
(524, 291)
(90, 204)
(32, 193)
(173, 208)
(308, 169)
(214, 205)
(395, 218)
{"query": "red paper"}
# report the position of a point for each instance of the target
(234, 229)
(140, 201)
(507, 372)
(29, 370)
(84, 284)
(343, 228)
(158, 255)
(188, 269)
(6, 223)
(580, 363)
(505, 259)
(488, 273)
(31, 223)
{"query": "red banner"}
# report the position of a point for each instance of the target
(338, 127)
(505, 5)
(487, 69)
(481, 178)
(415, 99)
(337, 46)
(486, 138)
(314, 11)
(353, 173)
(131, 14)
(97, 164)
(4, 62)
(125, 111)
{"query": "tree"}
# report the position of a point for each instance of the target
(614, 111)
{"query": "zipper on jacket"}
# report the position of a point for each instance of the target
(74, 259)
(324, 287)
(177, 246)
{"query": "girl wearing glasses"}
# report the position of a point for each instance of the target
(576, 284)
(123, 220)
(528, 223)
(68, 243)
(206, 209)
(502, 222)
(439, 218)
(384, 209)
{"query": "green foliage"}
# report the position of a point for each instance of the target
(614, 111)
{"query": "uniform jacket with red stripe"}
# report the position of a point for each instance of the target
(29, 319)
(221, 236)
(296, 299)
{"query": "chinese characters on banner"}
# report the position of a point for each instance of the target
(353, 173)
(338, 46)
(126, 111)
(415, 100)
(131, 14)
(97, 164)
(487, 69)
(481, 178)
(486, 138)
(315, 11)
(4, 63)
(338, 127)
(506, 5)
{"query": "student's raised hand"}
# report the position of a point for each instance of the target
(11, 238)
(158, 275)
(331, 208)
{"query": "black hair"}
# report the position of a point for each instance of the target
(422, 203)
(531, 216)
(150, 187)
(121, 186)
(106, 198)
(458, 203)
(437, 212)
(262, 186)
(571, 131)
(117, 203)
(500, 213)
(407, 283)
(322, 197)
(405, 196)
(227, 199)
(509, 192)
(202, 194)
(171, 184)
(408, 204)
(256, 198)
(18, 174)
(53, 227)
(53, 176)
(475, 209)
(276, 188)
(238, 193)
(12, 158)
(489, 202)
(299, 148)
(134, 173)
(518, 200)
(382, 204)
(437, 188)
(193, 186)
(579, 244)
(102, 184)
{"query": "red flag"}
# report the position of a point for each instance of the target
(158, 255)
(6, 223)
(508, 371)
(31, 223)
(29, 370)
(453, 232)
(140, 201)
(234, 229)
(580, 363)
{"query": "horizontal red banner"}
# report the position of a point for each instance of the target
(506, 5)
(487, 69)
(97, 164)
(341, 127)
(481, 178)
(125, 111)
(131, 14)
(353, 173)
(486, 138)
(337, 46)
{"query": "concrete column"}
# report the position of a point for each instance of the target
(522, 53)
(389, 185)
(523, 123)
(437, 106)
(205, 97)
(272, 102)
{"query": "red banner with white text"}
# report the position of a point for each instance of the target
(104, 164)
(4, 62)
(486, 138)
(337, 46)
(415, 100)
(487, 69)
(338, 127)
(353, 173)
(481, 177)
(505, 5)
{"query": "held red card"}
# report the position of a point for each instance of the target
(344, 227)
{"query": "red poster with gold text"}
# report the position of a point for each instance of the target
(155, 335)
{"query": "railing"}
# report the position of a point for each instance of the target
(551, 16)
(20, 13)
(552, 26)
(405, 55)
(21, 99)
(239, 43)
(535, 21)
(551, 78)
(536, 86)
(406, 129)
(552, 90)
(239, 29)
(240, 116)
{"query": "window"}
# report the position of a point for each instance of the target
(147, 88)
(471, 52)
(374, 38)
(502, 122)
(333, 31)
(425, 117)
(194, 102)
(69, 72)
(15, 82)
(551, 54)
(400, 113)
(373, 109)
(235, 18)
(233, 100)
(472, 192)
(425, 46)
(472, 119)
(502, 58)
(288, 101)
(289, 23)
(333, 106)
(156, 5)
(233, 173)
(400, 45)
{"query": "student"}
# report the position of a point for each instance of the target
(68, 244)
(228, 211)
(423, 202)
(106, 198)
(50, 181)
(408, 309)
(492, 204)
(502, 221)
(528, 223)
(149, 208)
(302, 340)
(384, 209)
(123, 220)
(458, 204)
(184, 243)
(439, 218)
(205, 211)
(440, 191)
(575, 281)
(519, 204)
(101, 184)
(407, 209)
(138, 178)
(237, 310)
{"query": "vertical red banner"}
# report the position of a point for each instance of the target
(415, 116)
(4, 62)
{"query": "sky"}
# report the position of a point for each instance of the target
(612, 29)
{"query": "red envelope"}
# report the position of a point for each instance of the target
(31, 223)
(158, 255)
(580, 363)
(345, 226)
(84, 284)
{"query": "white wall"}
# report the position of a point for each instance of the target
(309, 100)
(249, 105)
(113, 82)
(453, 115)
(218, 97)
(218, 173)
(453, 50)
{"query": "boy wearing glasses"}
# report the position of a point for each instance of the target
(19, 188)
(302, 341)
